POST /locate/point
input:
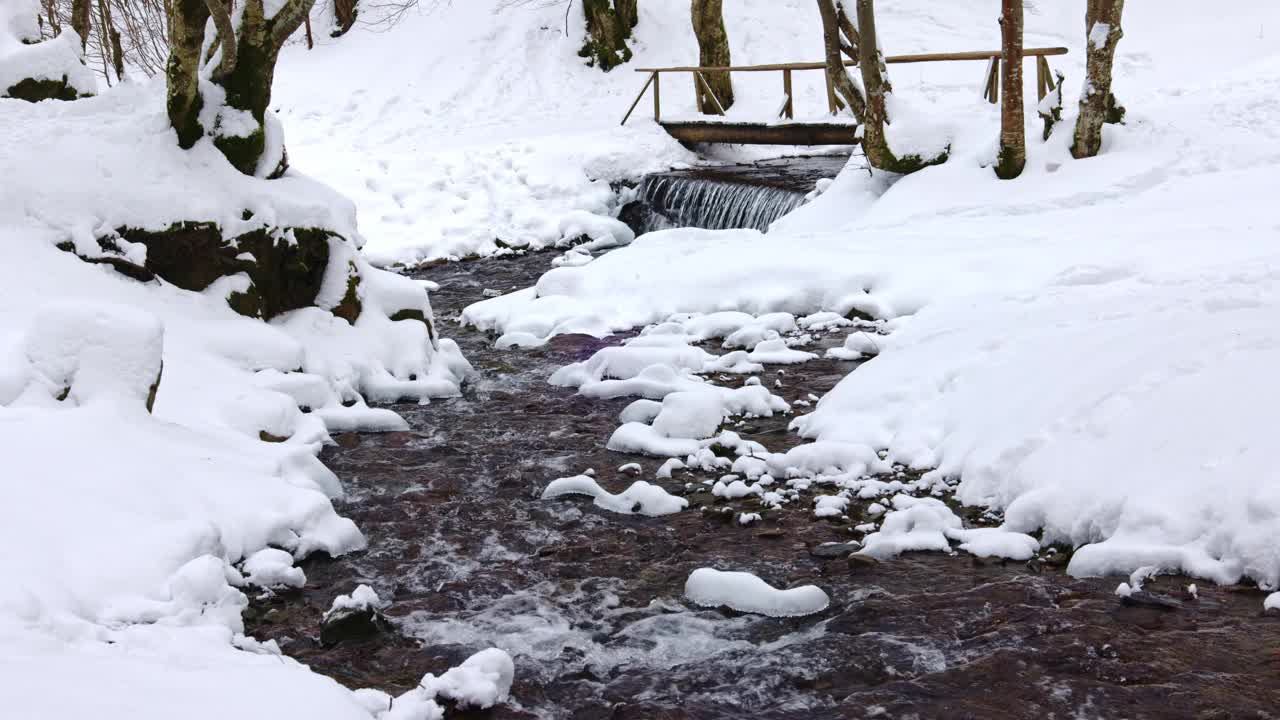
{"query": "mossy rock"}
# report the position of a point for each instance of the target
(284, 275)
(33, 90)
(349, 307)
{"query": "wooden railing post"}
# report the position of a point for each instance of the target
(657, 97)
(992, 90)
(789, 110)
(653, 80)
(1044, 80)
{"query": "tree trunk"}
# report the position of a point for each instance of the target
(81, 19)
(117, 54)
(875, 81)
(1097, 104)
(344, 16)
(187, 19)
(848, 95)
(713, 51)
(241, 82)
(609, 26)
(1013, 136)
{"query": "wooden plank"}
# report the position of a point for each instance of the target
(927, 57)
(631, 109)
(763, 134)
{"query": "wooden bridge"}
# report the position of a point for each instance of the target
(810, 133)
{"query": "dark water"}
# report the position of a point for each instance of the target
(590, 603)
(730, 196)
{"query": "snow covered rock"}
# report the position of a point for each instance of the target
(85, 353)
(354, 617)
(481, 681)
(35, 70)
(928, 524)
(745, 592)
(273, 568)
(641, 498)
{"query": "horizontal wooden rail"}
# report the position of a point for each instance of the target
(928, 57)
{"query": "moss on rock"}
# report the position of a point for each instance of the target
(286, 267)
(33, 90)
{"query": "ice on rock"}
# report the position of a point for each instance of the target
(745, 592)
(641, 498)
(273, 568)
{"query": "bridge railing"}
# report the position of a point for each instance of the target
(991, 90)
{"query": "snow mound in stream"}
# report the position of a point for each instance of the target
(641, 498)
(745, 592)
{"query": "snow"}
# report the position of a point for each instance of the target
(481, 681)
(641, 497)
(1087, 348)
(56, 59)
(360, 599)
(745, 592)
(272, 568)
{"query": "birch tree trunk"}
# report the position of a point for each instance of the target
(1097, 104)
(609, 26)
(713, 51)
(834, 22)
(1013, 137)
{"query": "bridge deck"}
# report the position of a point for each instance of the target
(761, 133)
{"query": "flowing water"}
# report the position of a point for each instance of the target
(590, 603)
(731, 196)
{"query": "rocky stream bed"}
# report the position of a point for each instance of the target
(589, 603)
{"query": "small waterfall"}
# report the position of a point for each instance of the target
(682, 201)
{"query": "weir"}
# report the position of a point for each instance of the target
(730, 196)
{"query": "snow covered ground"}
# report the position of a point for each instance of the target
(1088, 347)
(475, 123)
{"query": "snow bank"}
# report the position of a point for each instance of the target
(22, 57)
(745, 592)
(129, 538)
(641, 498)
(1086, 348)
